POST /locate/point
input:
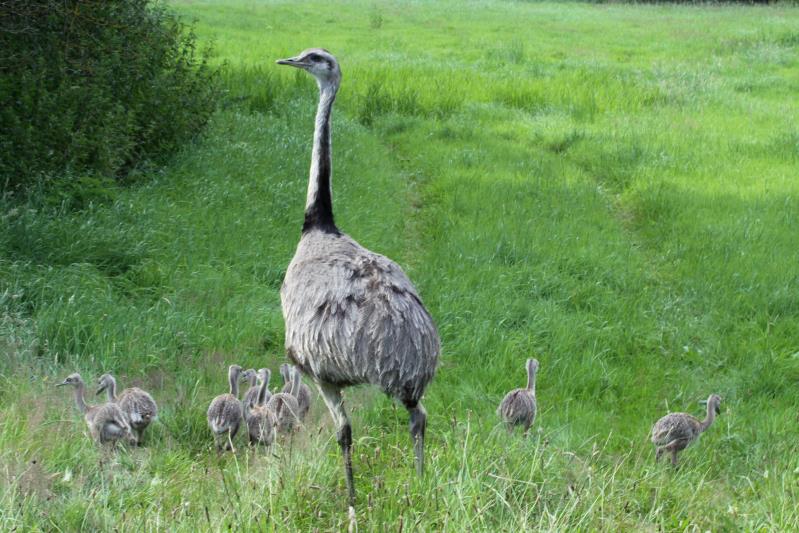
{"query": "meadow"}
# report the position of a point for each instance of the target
(611, 189)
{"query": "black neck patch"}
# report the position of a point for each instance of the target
(319, 214)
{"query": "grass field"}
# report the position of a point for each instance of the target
(611, 189)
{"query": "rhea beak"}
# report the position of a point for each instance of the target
(718, 410)
(61, 384)
(101, 389)
(292, 62)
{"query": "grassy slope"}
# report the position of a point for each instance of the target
(610, 189)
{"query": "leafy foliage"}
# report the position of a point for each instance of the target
(95, 86)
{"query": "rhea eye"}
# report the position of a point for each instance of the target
(315, 57)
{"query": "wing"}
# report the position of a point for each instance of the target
(138, 404)
(517, 405)
(674, 426)
(224, 412)
(353, 316)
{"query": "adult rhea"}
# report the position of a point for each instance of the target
(352, 316)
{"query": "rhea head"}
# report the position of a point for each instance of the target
(246, 375)
(319, 63)
(72, 379)
(104, 382)
(713, 401)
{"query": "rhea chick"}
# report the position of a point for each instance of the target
(284, 405)
(676, 431)
(137, 405)
(261, 421)
(518, 407)
(225, 412)
(107, 423)
(303, 392)
(251, 396)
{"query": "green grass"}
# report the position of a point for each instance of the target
(611, 189)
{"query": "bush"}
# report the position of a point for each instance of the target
(95, 86)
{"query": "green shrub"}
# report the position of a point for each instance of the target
(95, 86)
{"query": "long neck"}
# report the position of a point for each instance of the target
(711, 416)
(319, 203)
(79, 401)
(295, 383)
(262, 391)
(531, 379)
(112, 390)
(233, 378)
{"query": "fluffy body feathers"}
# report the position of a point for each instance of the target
(107, 423)
(353, 317)
(519, 406)
(676, 431)
(138, 406)
(225, 412)
(284, 405)
(261, 421)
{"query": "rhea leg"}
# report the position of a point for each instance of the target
(418, 425)
(332, 397)
(231, 434)
(224, 439)
(673, 447)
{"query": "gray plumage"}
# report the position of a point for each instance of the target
(225, 412)
(107, 423)
(285, 407)
(676, 431)
(519, 407)
(138, 406)
(261, 421)
(251, 396)
(352, 316)
(303, 393)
